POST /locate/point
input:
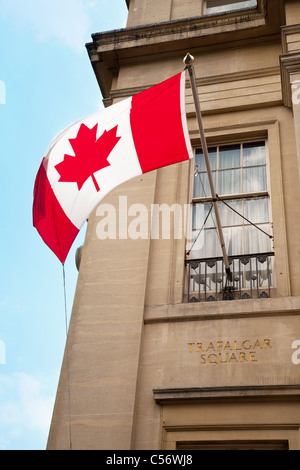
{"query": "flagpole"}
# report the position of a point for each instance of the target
(188, 61)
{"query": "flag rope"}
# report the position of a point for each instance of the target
(67, 356)
(243, 217)
(200, 231)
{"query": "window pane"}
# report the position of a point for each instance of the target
(233, 237)
(200, 160)
(198, 216)
(236, 169)
(197, 186)
(201, 184)
(257, 210)
(202, 212)
(257, 241)
(254, 179)
(210, 222)
(229, 182)
(228, 216)
(254, 154)
(205, 246)
(197, 244)
(230, 157)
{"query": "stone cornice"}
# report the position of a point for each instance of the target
(187, 28)
(286, 32)
(251, 393)
(290, 64)
(216, 79)
(290, 59)
(112, 49)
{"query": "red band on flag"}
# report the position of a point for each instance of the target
(156, 124)
(49, 219)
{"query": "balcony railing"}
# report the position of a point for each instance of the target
(252, 278)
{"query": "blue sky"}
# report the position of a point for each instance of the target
(46, 83)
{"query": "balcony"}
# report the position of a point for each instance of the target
(252, 278)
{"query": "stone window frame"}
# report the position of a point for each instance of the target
(262, 194)
(270, 131)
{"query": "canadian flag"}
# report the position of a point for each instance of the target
(96, 154)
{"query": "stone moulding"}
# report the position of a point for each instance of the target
(109, 49)
(252, 393)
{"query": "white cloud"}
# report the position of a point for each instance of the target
(24, 407)
(65, 20)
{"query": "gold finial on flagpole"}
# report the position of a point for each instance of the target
(189, 59)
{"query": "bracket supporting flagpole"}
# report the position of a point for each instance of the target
(188, 61)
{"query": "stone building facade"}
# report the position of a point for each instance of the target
(163, 353)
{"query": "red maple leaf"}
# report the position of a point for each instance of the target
(90, 155)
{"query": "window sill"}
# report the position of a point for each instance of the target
(204, 311)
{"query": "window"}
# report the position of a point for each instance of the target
(239, 174)
(240, 178)
(217, 6)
